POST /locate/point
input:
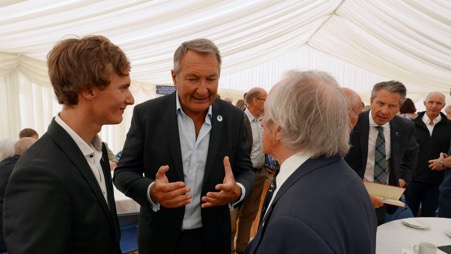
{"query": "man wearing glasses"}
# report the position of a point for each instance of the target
(255, 100)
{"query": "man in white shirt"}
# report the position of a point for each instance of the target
(433, 133)
(246, 214)
(60, 198)
(320, 205)
(383, 147)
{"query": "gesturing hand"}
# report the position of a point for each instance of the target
(229, 191)
(169, 195)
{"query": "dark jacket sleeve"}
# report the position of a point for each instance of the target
(409, 160)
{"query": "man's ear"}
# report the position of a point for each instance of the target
(278, 131)
(88, 94)
(174, 80)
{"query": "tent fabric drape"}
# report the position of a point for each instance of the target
(360, 42)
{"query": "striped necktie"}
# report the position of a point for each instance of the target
(380, 163)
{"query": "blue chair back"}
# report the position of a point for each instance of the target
(401, 213)
(128, 223)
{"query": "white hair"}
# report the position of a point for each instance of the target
(312, 113)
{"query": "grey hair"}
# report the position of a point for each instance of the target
(391, 86)
(203, 46)
(6, 148)
(312, 113)
(23, 144)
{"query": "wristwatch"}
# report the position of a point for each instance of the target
(441, 164)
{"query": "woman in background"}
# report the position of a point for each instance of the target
(408, 109)
(241, 104)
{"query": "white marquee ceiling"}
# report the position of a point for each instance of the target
(407, 40)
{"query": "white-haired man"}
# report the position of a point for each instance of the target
(433, 133)
(320, 204)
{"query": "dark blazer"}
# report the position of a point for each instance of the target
(153, 141)
(6, 167)
(53, 203)
(247, 124)
(404, 150)
(430, 148)
(322, 207)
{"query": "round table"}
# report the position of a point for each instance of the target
(394, 236)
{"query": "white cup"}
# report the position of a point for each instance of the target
(425, 248)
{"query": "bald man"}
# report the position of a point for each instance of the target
(433, 133)
(355, 105)
(242, 218)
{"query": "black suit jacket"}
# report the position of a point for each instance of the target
(53, 203)
(322, 207)
(404, 150)
(153, 141)
(430, 148)
(6, 167)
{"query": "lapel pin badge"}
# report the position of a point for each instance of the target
(219, 118)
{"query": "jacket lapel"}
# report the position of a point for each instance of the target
(168, 116)
(215, 138)
(110, 192)
(307, 167)
(72, 151)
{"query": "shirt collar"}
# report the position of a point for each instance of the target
(86, 149)
(290, 165)
(426, 119)
(251, 116)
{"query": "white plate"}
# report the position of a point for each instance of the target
(415, 223)
(448, 233)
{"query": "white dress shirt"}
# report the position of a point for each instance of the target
(92, 153)
(257, 155)
(426, 120)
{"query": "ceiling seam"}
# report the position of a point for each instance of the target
(325, 21)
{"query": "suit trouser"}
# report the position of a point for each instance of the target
(247, 212)
(424, 194)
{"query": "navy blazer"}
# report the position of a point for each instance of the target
(53, 203)
(322, 207)
(153, 141)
